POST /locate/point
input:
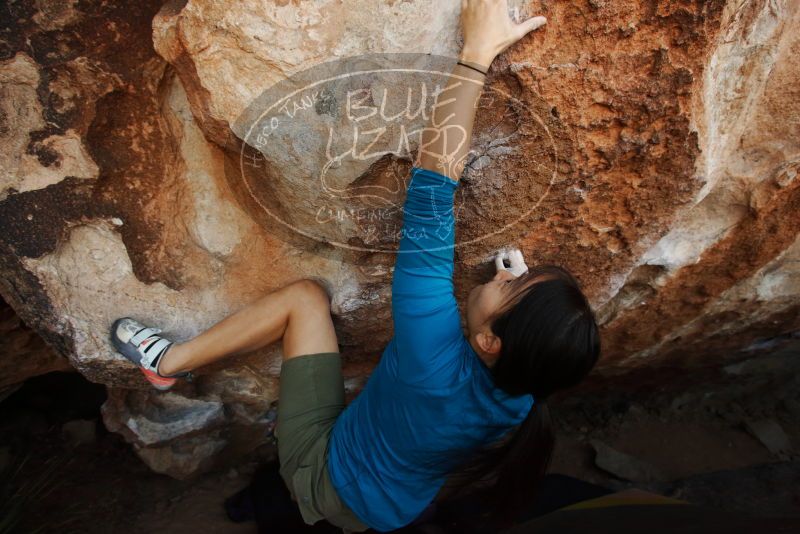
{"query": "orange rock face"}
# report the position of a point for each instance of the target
(651, 148)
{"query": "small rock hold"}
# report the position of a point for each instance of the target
(785, 178)
(628, 30)
(481, 162)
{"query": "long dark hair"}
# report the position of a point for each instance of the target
(549, 342)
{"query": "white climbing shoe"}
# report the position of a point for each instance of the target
(141, 345)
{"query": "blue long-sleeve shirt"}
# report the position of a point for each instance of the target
(430, 392)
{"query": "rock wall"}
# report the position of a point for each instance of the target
(670, 191)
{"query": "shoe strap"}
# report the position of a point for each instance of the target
(151, 351)
(143, 334)
(187, 375)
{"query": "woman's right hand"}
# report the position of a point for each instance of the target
(515, 259)
(488, 30)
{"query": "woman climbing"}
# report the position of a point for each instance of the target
(438, 403)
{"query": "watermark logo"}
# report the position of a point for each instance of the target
(323, 158)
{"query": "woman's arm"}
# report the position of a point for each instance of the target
(488, 30)
(427, 326)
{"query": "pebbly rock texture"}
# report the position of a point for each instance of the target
(651, 148)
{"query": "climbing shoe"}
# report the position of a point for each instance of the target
(144, 347)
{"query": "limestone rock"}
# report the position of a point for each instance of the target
(680, 169)
(172, 433)
(158, 418)
(256, 44)
(184, 458)
(651, 148)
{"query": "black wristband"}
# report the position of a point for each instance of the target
(470, 67)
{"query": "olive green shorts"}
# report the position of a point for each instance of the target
(311, 398)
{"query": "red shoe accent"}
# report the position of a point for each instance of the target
(158, 381)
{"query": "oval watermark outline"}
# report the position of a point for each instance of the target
(348, 246)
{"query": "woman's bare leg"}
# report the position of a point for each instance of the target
(298, 313)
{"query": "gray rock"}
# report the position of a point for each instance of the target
(184, 457)
(772, 436)
(155, 419)
(172, 434)
(623, 465)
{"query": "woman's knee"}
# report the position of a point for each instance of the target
(310, 326)
(311, 292)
